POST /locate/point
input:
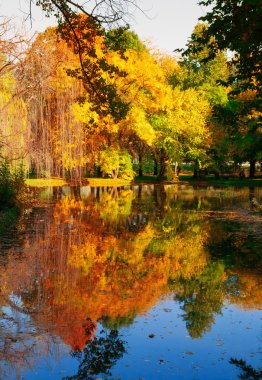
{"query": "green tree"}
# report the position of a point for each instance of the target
(115, 163)
(238, 127)
(235, 124)
(201, 298)
(236, 26)
(122, 39)
(208, 77)
(181, 131)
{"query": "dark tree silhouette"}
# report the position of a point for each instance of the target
(99, 356)
(248, 372)
(236, 25)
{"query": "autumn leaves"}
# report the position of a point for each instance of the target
(116, 101)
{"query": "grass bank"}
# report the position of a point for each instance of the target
(223, 182)
(45, 182)
(184, 179)
(93, 182)
(107, 182)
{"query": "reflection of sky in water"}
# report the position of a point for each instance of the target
(23, 345)
(157, 342)
(158, 347)
(172, 354)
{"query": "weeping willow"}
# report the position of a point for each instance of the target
(14, 138)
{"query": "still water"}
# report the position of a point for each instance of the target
(142, 283)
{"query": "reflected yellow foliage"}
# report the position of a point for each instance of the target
(190, 255)
(112, 208)
(111, 257)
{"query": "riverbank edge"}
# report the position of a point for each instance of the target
(183, 179)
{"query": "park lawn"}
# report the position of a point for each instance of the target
(146, 178)
(93, 182)
(107, 182)
(232, 182)
(45, 182)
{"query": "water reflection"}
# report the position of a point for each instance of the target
(107, 255)
(99, 356)
(247, 371)
(201, 297)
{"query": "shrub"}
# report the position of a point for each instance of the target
(11, 185)
(116, 164)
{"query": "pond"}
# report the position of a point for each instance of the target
(141, 283)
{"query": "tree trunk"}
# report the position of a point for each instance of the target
(175, 169)
(195, 171)
(252, 168)
(162, 165)
(99, 172)
(114, 174)
(155, 166)
(162, 169)
(140, 167)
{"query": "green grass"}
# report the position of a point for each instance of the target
(96, 182)
(45, 182)
(146, 178)
(234, 182)
(93, 182)
(104, 182)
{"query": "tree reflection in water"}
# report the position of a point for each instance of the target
(112, 255)
(202, 298)
(98, 356)
(248, 372)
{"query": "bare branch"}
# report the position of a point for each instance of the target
(104, 11)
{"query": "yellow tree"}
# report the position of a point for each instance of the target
(59, 137)
(143, 87)
(13, 131)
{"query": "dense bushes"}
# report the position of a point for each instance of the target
(11, 185)
(116, 164)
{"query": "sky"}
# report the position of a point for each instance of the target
(167, 23)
